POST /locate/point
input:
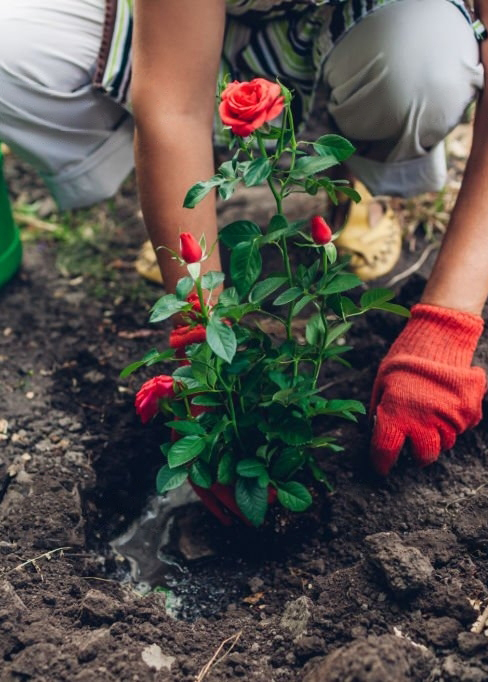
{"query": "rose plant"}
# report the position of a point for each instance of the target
(247, 414)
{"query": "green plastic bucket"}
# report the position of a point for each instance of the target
(10, 244)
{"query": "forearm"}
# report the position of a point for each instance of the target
(459, 278)
(170, 158)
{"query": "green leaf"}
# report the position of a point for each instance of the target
(229, 297)
(341, 283)
(294, 496)
(299, 305)
(335, 145)
(213, 279)
(277, 222)
(227, 187)
(168, 479)
(245, 266)
(250, 468)
(199, 191)
(373, 297)
(206, 401)
(200, 474)
(184, 450)
(188, 428)
(287, 462)
(351, 193)
(315, 330)
(184, 287)
(394, 308)
(319, 475)
(263, 289)
(291, 430)
(310, 165)
(221, 339)
(257, 172)
(252, 500)
(165, 307)
(288, 296)
(337, 331)
(239, 231)
(226, 469)
(150, 358)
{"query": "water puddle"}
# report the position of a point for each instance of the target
(175, 548)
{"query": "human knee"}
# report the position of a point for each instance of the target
(412, 75)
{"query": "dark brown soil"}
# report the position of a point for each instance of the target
(384, 582)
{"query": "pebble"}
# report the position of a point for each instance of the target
(405, 569)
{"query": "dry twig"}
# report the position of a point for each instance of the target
(215, 658)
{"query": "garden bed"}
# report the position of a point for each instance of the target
(383, 580)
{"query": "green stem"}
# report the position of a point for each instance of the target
(204, 307)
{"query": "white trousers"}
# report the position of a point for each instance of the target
(397, 83)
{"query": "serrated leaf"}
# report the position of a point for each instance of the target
(252, 500)
(206, 401)
(168, 479)
(213, 279)
(302, 303)
(286, 464)
(315, 330)
(277, 222)
(394, 308)
(239, 231)
(294, 496)
(165, 307)
(226, 469)
(245, 266)
(188, 428)
(341, 283)
(263, 289)
(229, 297)
(288, 296)
(184, 287)
(221, 339)
(227, 187)
(310, 165)
(335, 145)
(200, 474)
(200, 190)
(184, 450)
(257, 172)
(375, 296)
(337, 331)
(250, 468)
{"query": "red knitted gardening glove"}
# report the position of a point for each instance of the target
(426, 390)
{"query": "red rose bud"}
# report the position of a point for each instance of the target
(190, 249)
(149, 395)
(321, 232)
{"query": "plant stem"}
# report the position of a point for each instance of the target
(204, 307)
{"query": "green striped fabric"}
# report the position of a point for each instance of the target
(285, 39)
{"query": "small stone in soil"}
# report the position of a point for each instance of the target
(405, 569)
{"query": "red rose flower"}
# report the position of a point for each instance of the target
(321, 232)
(190, 249)
(247, 106)
(149, 395)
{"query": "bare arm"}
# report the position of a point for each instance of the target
(459, 278)
(176, 51)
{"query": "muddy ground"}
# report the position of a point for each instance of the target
(385, 580)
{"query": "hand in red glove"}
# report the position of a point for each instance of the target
(426, 389)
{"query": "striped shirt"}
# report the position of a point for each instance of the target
(285, 39)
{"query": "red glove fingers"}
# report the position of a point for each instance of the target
(426, 391)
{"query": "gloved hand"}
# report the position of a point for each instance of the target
(426, 389)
